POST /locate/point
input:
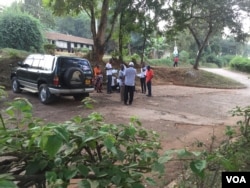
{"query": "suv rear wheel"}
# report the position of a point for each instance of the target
(15, 85)
(44, 94)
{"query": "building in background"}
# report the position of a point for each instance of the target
(68, 43)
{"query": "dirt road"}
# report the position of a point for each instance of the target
(181, 115)
(173, 111)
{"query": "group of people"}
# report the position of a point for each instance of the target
(126, 77)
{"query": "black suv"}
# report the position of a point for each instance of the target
(52, 76)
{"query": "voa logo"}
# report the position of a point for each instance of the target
(236, 179)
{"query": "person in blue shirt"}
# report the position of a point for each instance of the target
(130, 74)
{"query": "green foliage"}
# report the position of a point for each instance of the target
(203, 20)
(35, 8)
(10, 53)
(20, 31)
(77, 26)
(245, 123)
(206, 165)
(163, 61)
(3, 93)
(212, 58)
(184, 56)
(49, 48)
(226, 60)
(240, 63)
(100, 154)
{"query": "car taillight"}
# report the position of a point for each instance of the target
(56, 81)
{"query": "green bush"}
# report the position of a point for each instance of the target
(10, 53)
(20, 31)
(226, 60)
(50, 48)
(207, 163)
(212, 58)
(191, 61)
(240, 63)
(161, 62)
(184, 56)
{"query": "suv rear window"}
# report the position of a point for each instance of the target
(81, 63)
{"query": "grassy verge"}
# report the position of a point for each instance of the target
(194, 78)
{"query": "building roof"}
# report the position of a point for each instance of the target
(68, 38)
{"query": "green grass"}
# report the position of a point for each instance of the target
(206, 79)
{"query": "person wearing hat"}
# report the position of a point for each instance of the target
(129, 74)
(149, 76)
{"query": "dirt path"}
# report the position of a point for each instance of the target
(181, 115)
(240, 77)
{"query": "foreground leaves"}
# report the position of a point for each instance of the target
(100, 154)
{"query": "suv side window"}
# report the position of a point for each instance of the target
(47, 63)
(28, 62)
(35, 63)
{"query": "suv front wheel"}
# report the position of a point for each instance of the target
(15, 85)
(44, 94)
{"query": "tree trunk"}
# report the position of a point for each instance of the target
(200, 45)
(99, 35)
(120, 44)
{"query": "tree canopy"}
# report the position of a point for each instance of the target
(205, 18)
(104, 15)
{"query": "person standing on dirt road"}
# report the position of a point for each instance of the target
(149, 76)
(130, 74)
(143, 78)
(98, 78)
(109, 69)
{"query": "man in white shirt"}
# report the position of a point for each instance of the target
(130, 74)
(108, 69)
(143, 78)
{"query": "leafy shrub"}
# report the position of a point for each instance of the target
(212, 58)
(184, 56)
(240, 63)
(20, 31)
(10, 53)
(226, 60)
(49, 48)
(191, 61)
(163, 61)
(101, 154)
(206, 164)
(3, 93)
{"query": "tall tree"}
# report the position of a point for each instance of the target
(205, 18)
(141, 18)
(35, 8)
(96, 10)
(77, 25)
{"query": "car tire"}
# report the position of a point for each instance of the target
(80, 97)
(15, 85)
(74, 77)
(44, 94)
